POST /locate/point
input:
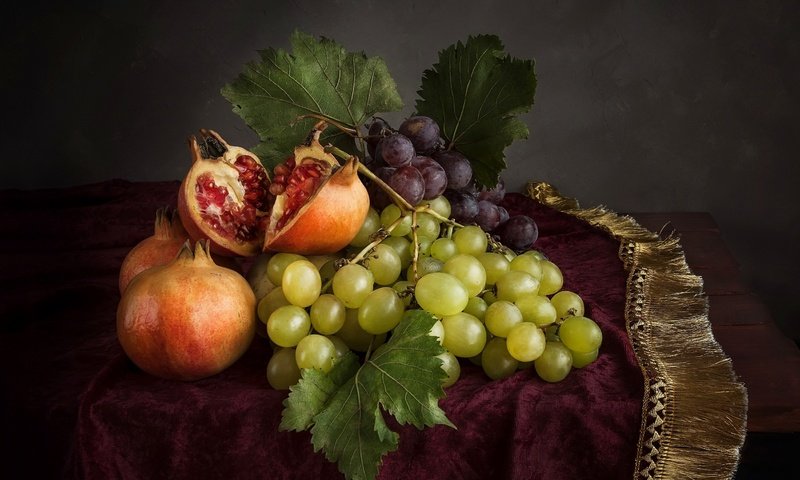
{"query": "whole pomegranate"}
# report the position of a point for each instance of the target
(224, 196)
(319, 206)
(158, 249)
(188, 319)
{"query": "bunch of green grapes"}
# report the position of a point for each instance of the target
(501, 310)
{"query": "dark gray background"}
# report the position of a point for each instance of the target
(641, 105)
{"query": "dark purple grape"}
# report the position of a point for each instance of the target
(396, 150)
(408, 183)
(422, 131)
(494, 194)
(503, 214)
(457, 168)
(463, 207)
(433, 173)
(519, 232)
(488, 217)
(377, 129)
(377, 196)
(472, 189)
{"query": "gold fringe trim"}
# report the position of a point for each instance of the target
(694, 411)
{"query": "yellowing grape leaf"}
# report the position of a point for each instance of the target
(344, 408)
(318, 77)
(475, 93)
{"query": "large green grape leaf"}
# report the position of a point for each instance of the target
(344, 409)
(475, 93)
(318, 77)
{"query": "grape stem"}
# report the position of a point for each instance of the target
(405, 209)
(415, 239)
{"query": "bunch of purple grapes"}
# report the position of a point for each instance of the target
(412, 160)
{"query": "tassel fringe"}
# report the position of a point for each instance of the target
(694, 411)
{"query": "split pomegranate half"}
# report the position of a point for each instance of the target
(319, 206)
(225, 196)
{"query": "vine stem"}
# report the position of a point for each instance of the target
(348, 130)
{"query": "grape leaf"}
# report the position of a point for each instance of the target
(344, 409)
(318, 77)
(475, 93)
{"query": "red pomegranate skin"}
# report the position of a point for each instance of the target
(186, 320)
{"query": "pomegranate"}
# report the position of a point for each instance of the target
(158, 249)
(224, 197)
(188, 319)
(319, 205)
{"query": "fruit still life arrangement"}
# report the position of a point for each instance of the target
(375, 260)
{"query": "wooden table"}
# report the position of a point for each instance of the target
(766, 361)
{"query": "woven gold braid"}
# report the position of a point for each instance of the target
(694, 410)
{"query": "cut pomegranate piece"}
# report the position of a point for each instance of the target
(319, 206)
(224, 197)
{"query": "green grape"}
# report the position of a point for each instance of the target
(580, 334)
(476, 359)
(327, 270)
(278, 263)
(352, 283)
(315, 351)
(443, 249)
(464, 335)
(495, 265)
(391, 213)
(476, 306)
(536, 309)
(437, 330)
(402, 246)
(496, 361)
(355, 337)
(535, 254)
(271, 302)
(385, 265)
(427, 226)
(469, 270)
(441, 294)
(451, 367)
(372, 223)
(581, 359)
(425, 265)
(489, 297)
(288, 325)
(501, 317)
(471, 240)
(440, 205)
(282, 369)
(257, 276)
(327, 314)
(555, 362)
(514, 284)
(526, 342)
(567, 304)
(551, 333)
(381, 311)
(527, 263)
(301, 283)
(341, 347)
(509, 254)
(552, 279)
(404, 291)
(424, 245)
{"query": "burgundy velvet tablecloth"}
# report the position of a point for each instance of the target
(74, 406)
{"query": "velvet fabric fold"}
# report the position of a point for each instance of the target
(78, 408)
